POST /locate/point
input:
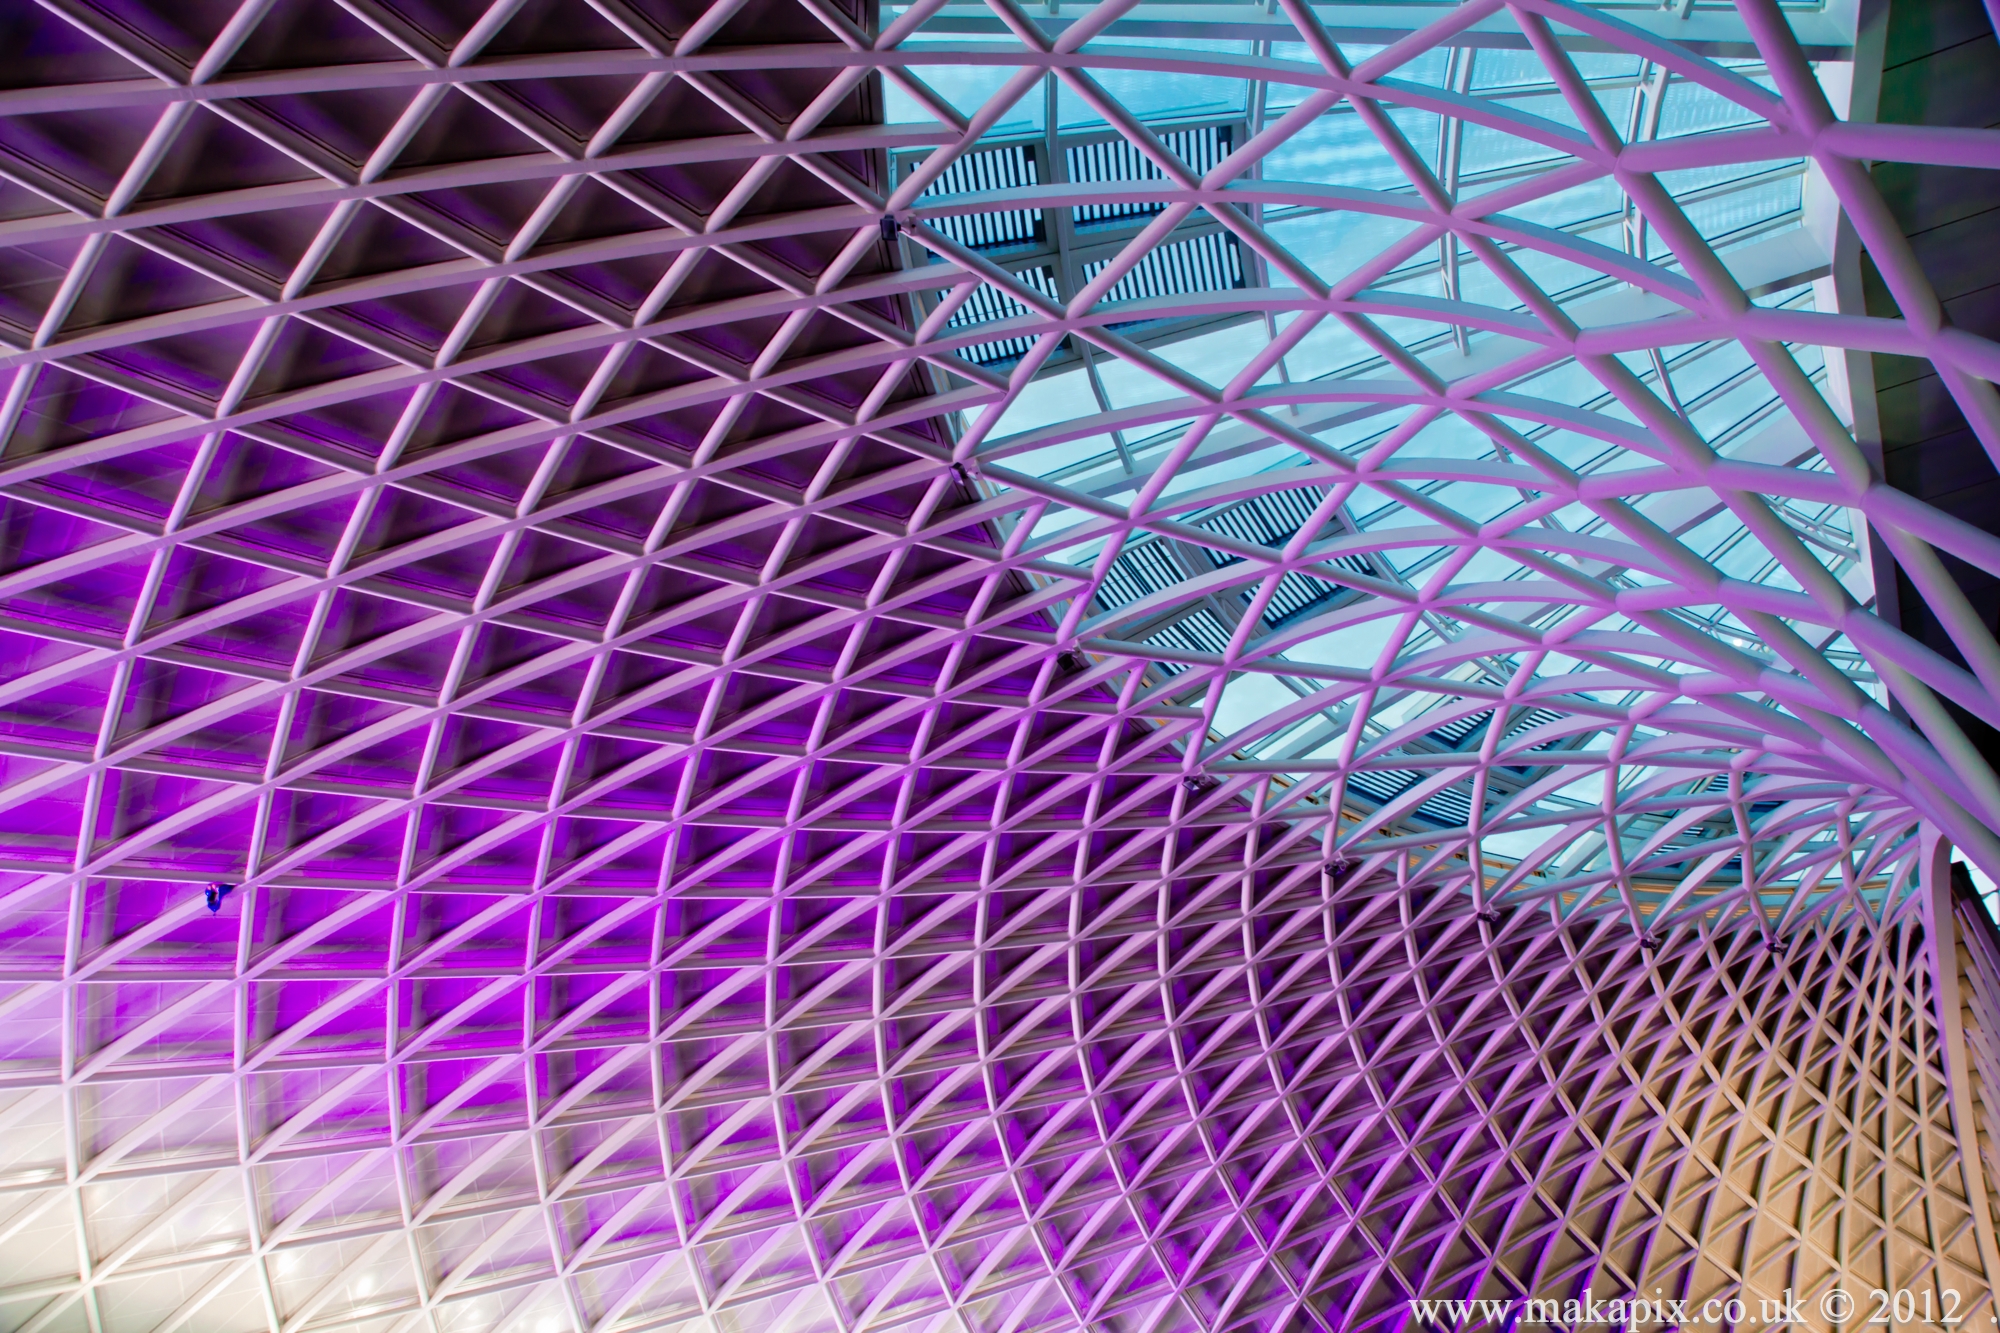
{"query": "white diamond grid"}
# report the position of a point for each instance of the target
(1553, 1114)
(1005, 1098)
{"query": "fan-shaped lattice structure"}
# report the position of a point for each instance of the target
(1117, 666)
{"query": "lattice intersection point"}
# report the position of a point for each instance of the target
(969, 669)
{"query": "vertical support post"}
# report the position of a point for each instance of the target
(1941, 946)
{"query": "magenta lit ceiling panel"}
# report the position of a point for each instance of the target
(1122, 666)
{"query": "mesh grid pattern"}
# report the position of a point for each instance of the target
(728, 802)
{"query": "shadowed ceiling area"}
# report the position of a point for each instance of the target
(1125, 666)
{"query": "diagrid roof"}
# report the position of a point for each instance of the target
(1121, 666)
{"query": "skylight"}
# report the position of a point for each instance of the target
(1089, 667)
(1379, 426)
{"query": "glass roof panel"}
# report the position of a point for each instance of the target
(1335, 415)
(678, 666)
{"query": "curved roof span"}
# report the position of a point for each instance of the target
(1123, 665)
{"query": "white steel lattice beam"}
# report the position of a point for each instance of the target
(978, 667)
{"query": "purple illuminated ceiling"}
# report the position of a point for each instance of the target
(975, 667)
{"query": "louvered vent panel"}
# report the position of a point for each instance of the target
(977, 173)
(1271, 521)
(1206, 263)
(1201, 148)
(1200, 632)
(1141, 569)
(1268, 520)
(1451, 734)
(989, 304)
(1380, 787)
(1452, 806)
(1296, 593)
(1535, 717)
